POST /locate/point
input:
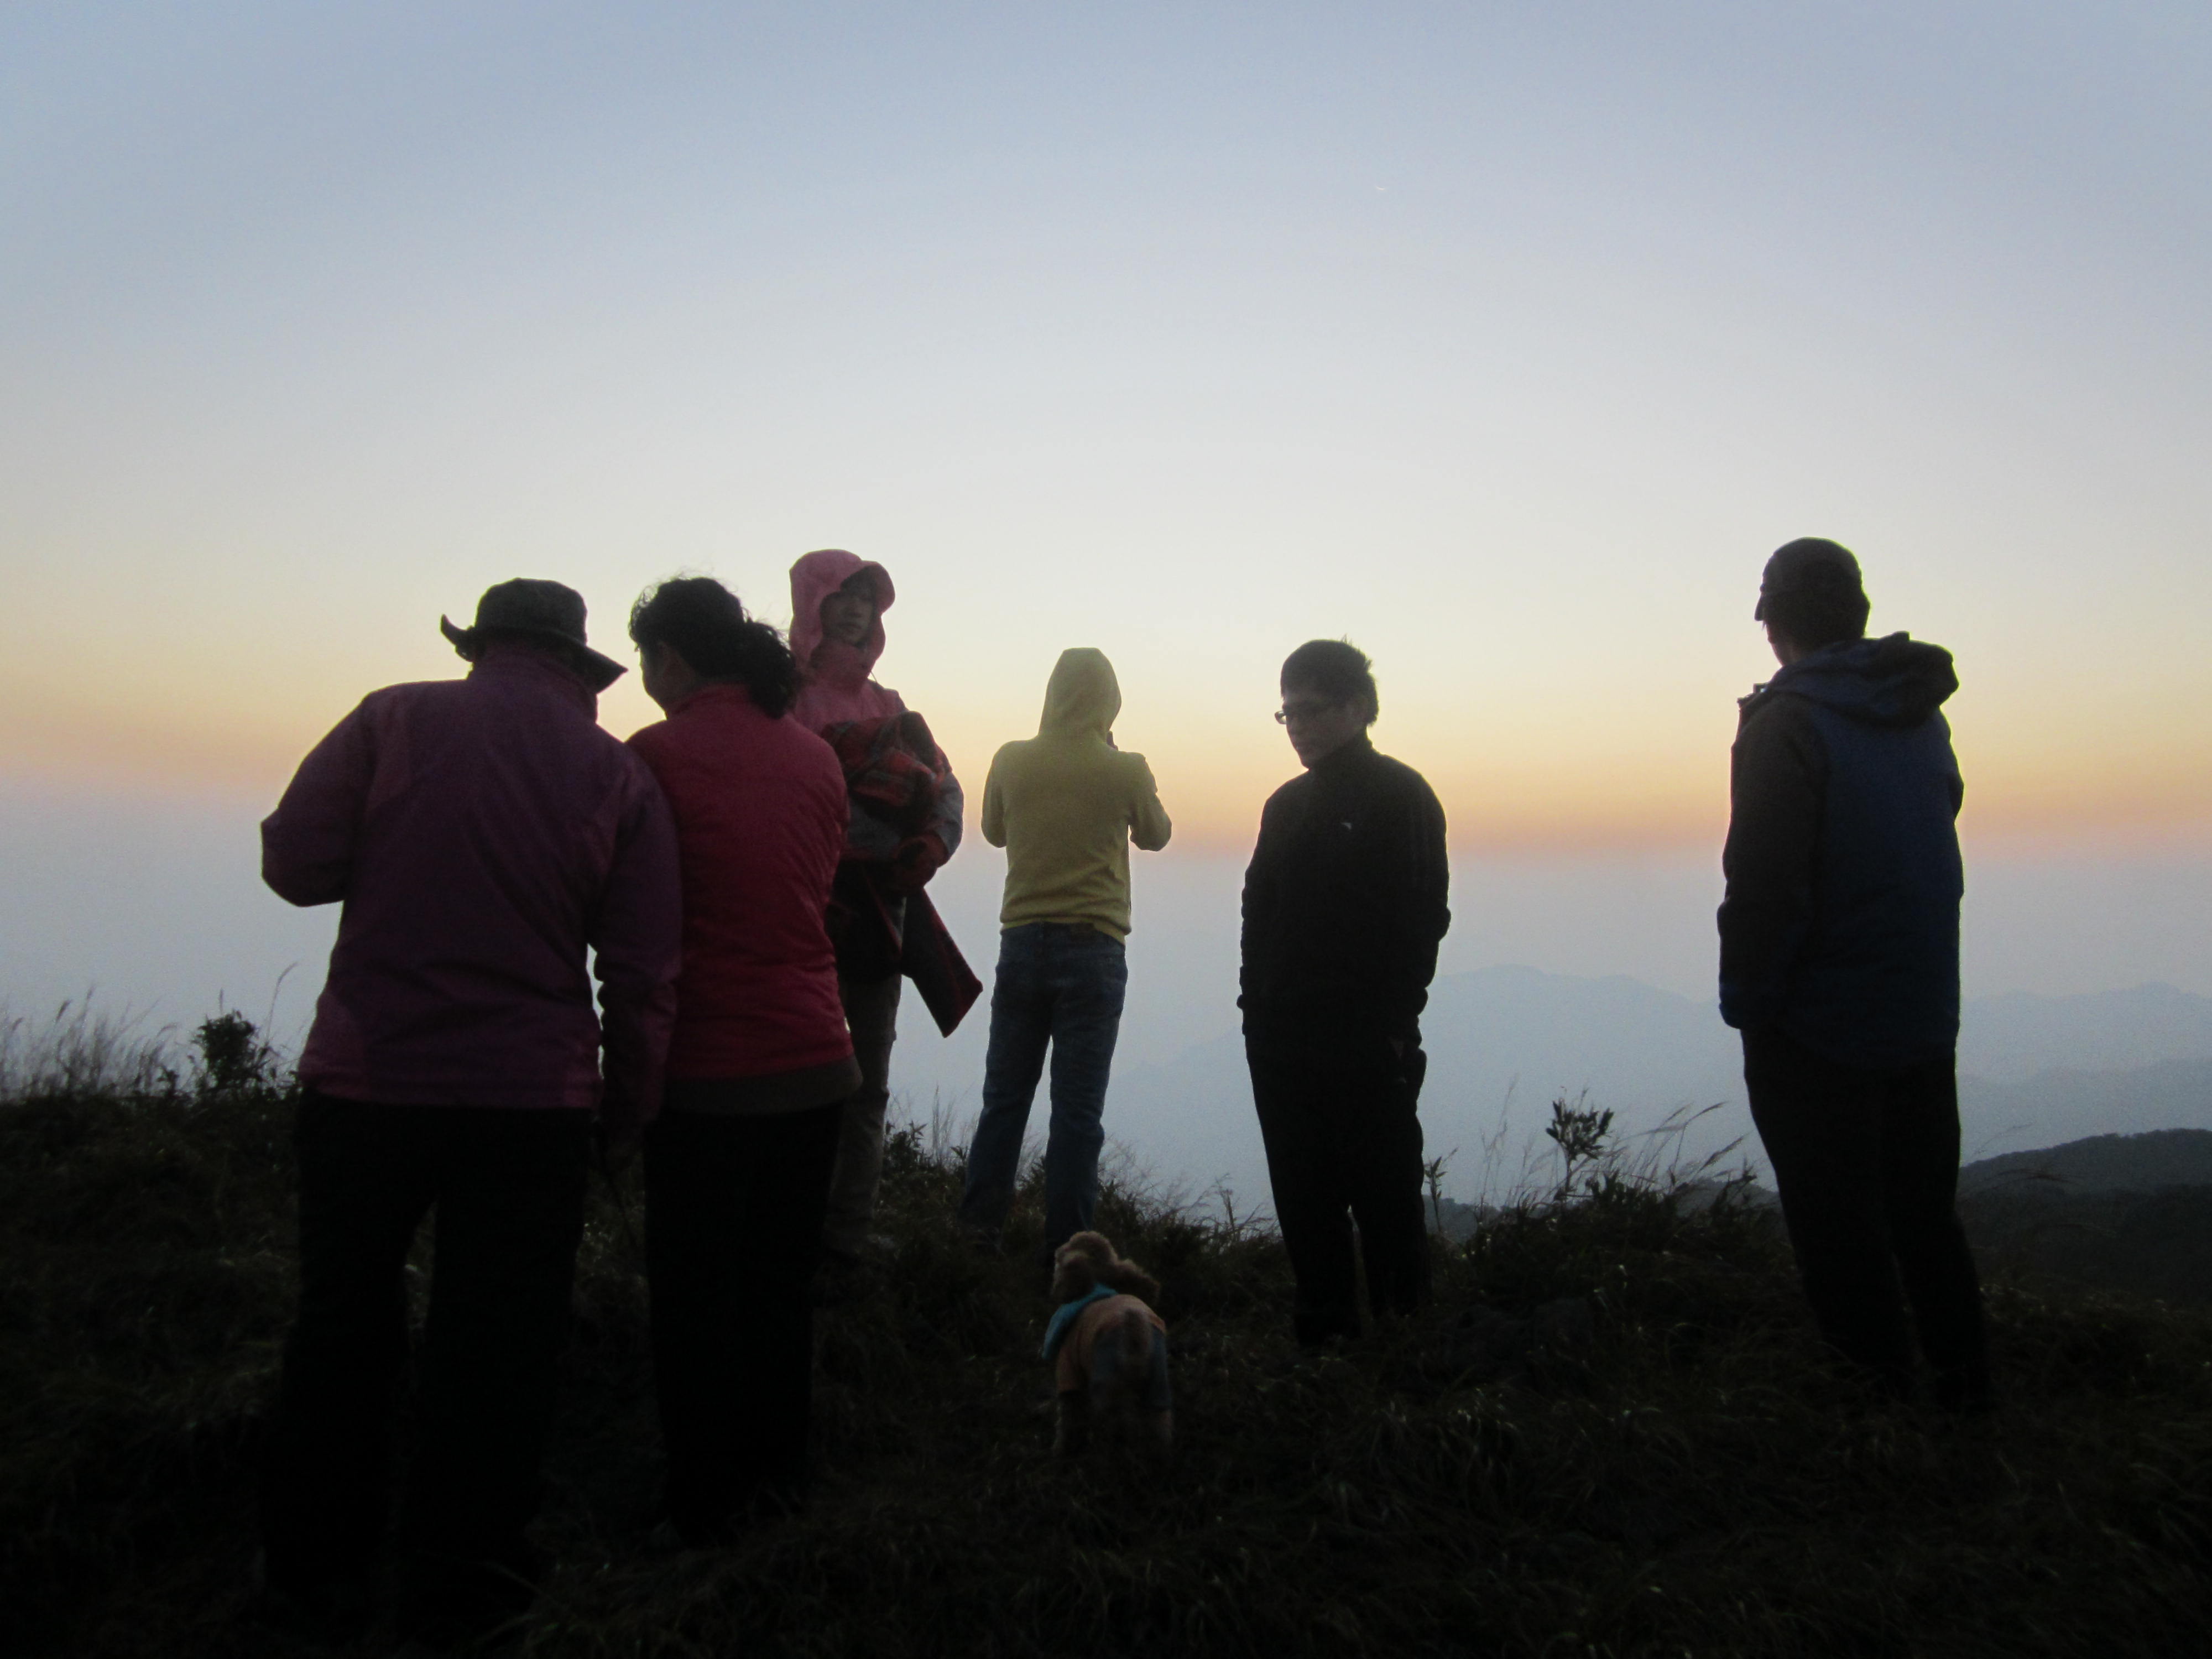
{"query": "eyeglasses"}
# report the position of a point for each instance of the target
(1293, 714)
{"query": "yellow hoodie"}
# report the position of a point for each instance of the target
(1065, 803)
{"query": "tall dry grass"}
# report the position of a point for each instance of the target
(83, 1052)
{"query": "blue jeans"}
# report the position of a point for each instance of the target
(1058, 984)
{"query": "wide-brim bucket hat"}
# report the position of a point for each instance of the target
(534, 609)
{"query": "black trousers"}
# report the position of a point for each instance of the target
(508, 1187)
(733, 1232)
(1867, 1164)
(1343, 1145)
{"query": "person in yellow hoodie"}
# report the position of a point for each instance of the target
(1064, 804)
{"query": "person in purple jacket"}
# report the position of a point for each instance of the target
(482, 835)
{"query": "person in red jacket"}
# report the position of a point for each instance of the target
(737, 1164)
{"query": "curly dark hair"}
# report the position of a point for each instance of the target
(706, 625)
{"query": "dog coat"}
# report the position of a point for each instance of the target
(1072, 1366)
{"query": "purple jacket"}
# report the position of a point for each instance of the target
(482, 833)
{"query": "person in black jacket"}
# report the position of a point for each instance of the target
(1344, 906)
(1839, 965)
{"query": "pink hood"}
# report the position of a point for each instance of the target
(832, 662)
(833, 676)
(834, 686)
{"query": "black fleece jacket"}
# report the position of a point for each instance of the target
(1345, 901)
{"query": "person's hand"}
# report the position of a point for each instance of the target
(918, 859)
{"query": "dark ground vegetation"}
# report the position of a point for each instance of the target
(2123, 1213)
(1611, 1436)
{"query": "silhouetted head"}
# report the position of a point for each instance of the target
(1328, 697)
(1810, 596)
(692, 631)
(544, 615)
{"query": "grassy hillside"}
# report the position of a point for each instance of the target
(2102, 1164)
(1613, 1435)
(2120, 1213)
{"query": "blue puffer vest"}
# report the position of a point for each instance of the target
(1877, 981)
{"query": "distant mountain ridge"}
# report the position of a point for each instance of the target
(2101, 1163)
(2018, 1035)
(2059, 1107)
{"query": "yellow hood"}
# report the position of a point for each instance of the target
(1083, 696)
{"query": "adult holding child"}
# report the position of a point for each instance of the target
(737, 1165)
(1344, 909)
(1065, 804)
(905, 823)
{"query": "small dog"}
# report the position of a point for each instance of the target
(1109, 1349)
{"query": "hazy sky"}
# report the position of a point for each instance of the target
(1505, 340)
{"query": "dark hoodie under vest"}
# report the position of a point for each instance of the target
(1841, 922)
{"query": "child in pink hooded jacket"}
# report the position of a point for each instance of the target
(837, 603)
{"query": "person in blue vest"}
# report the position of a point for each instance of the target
(1839, 965)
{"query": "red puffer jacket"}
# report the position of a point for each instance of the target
(760, 814)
